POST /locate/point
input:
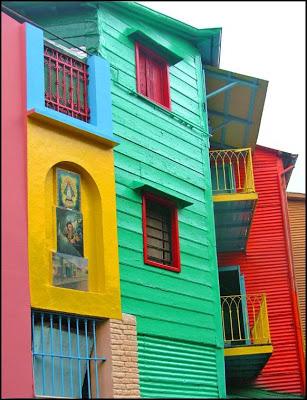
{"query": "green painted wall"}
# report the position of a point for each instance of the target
(176, 313)
(159, 148)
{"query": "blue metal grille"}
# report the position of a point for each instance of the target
(65, 360)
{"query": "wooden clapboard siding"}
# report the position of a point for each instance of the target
(158, 148)
(297, 215)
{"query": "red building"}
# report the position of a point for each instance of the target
(267, 268)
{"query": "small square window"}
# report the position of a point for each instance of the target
(152, 76)
(160, 233)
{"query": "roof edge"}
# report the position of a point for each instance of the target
(296, 196)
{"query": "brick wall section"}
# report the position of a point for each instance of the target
(125, 371)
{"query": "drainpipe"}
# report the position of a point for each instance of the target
(294, 296)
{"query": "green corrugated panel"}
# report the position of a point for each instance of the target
(173, 368)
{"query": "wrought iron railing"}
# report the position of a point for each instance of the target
(231, 171)
(66, 81)
(245, 320)
(66, 360)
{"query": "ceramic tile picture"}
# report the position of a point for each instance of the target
(68, 189)
(69, 271)
(69, 232)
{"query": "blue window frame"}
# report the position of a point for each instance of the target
(65, 359)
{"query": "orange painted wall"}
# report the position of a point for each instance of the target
(297, 215)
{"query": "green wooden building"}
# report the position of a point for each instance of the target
(165, 218)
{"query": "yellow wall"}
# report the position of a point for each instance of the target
(50, 145)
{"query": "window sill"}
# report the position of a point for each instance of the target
(137, 94)
(163, 266)
(69, 123)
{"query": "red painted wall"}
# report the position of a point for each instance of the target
(266, 269)
(15, 305)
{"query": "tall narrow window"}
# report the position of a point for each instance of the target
(160, 233)
(152, 76)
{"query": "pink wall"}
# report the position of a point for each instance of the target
(15, 305)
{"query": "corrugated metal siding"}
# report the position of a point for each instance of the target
(265, 268)
(297, 215)
(172, 368)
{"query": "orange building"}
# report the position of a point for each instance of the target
(297, 214)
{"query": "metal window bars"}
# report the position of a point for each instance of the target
(66, 363)
(158, 226)
(232, 171)
(66, 81)
(245, 319)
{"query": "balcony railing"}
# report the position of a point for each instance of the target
(231, 171)
(245, 320)
(66, 81)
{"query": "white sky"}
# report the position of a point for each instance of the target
(263, 39)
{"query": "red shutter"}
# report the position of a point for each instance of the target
(158, 83)
(142, 74)
(152, 76)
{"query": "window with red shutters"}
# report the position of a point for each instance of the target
(160, 233)
(152, 76)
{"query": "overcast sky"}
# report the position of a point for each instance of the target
(263, 39)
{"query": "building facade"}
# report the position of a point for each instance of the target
(163, 229)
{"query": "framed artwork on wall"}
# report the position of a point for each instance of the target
(69, 271)
(68, 189)
(69, 232)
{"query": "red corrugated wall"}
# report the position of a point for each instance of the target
(266, 269)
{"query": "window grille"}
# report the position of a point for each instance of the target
(160, 232)
(65, 358)
(66, 81)
(159, 245)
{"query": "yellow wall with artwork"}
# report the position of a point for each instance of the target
(51, 147)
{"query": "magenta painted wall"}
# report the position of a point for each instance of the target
(15, 305)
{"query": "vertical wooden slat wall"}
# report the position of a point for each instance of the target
(297, 214)
(266, 270)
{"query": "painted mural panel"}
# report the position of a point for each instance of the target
(69, 232)
(68, 189)
(70, 271)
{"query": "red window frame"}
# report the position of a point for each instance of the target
(175, 265)
(161, 67)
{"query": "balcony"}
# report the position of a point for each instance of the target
(66, 81)
(68, 88)
(234, 197)
(246, 333)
